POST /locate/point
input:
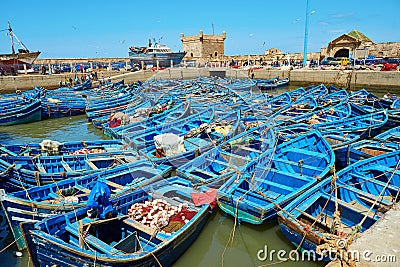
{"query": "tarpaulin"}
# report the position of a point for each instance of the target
(208, 197)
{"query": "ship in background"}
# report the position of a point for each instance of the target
(152, 53)
(16, 60)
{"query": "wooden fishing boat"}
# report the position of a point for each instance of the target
(273, 104)
(395, 104)
(338, 112)
(366, 125)
(20, 112)
(239, 153)
(295, 94)
(393, 118)
(289, 113)
(383, 143)
(25, 171)
(113, 117)
(124, 239)
(277, 179)
(339, 208)
(40, 202)
(109, 104)
(178, 111)
(182, 147)
(315, 92)
(272, 84)
(334, 97)
(145, 138)
(359, 97)
(51, 148)
(86, 84)
(62, 103)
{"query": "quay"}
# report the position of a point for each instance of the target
(349, 79)
(372, 249)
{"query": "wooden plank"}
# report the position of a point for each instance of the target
(250, 149)
(140, 227)
(41, 168)
(91, 165)
(115, 185)
(91, 240)
(66, 166)
(312, 218)
(83, 189)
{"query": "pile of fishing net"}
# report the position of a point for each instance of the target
(158, 214)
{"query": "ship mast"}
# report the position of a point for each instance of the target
(11, 37)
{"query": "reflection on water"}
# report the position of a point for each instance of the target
(208, 248)
(63, 129)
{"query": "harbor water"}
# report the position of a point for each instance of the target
(222, 242)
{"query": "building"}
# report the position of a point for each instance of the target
(204, 47)
(357, 45)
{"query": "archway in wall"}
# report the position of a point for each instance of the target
(344, 52)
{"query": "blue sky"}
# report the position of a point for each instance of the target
(107, 28)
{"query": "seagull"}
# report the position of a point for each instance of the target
(122, 41)
(296, 20)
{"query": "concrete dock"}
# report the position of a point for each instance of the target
(379, 246)
(352, 80)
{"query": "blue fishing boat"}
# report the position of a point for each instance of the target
(122, 236)
(339, 208)
(20, 112)
(62, 103)
(272, 105)
(140, 123)
(51, 148)
(236, 155)
(20, 172)
(145, 138)
(288, 114)
(315, 92)
(40, 202)
(338, 112)
(109, 103)
(366, 125)
(383, 143)
(272, 83)
(85, 85)
(359, 97)
(182, 147)
(277, 179)
(334, 97)
(116, 116)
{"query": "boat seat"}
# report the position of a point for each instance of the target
(141, 227)
(91, 164)
(386, 169)
(250, 149)
(313, 219)
(83, 189)
(284, 187)
(115, 185)
(4, 150)
(66, 166)
(203, 172)
(360, 177)
(307, 152)
(41, 168)
(289, 162)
